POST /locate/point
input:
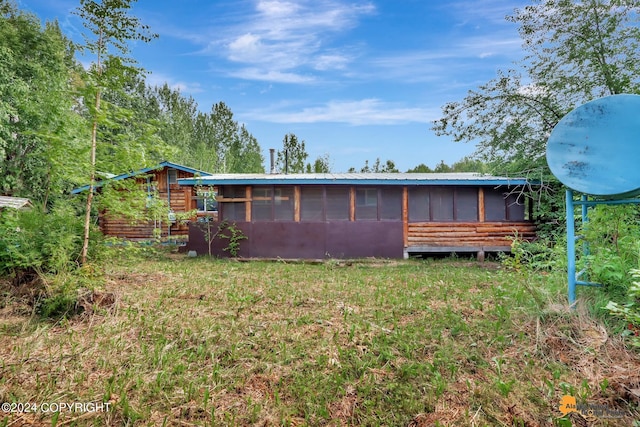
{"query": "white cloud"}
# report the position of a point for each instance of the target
(282, 36)
(157, 79)
(361, 112)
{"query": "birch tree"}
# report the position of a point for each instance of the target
(109, 29)
(573, 52)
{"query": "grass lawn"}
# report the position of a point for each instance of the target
(373, 342)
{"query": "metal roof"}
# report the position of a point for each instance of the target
(466, 178)
(13, 202)
(143, 171)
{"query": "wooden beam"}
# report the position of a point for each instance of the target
(188, 199)
(247, 204)
(234, 199)
(352, 203)
(296, 203)
(481, 215)
(405, 216)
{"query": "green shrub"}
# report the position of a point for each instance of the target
(541, 254)
(630, 311)
(39, 250)
(613, 238)
(45, 242)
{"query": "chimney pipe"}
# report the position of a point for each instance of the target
(272, 155)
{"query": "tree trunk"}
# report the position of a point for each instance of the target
(92, 184)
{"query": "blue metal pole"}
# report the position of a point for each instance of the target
(571, 248)
(585, 220)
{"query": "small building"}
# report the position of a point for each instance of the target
(392, 215)
(160, 181)
(14, 202)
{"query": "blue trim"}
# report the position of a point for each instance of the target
(349, 181)
(140, 172)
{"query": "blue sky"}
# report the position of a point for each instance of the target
(357, 80)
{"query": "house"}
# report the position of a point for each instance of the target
(356, 215)
(159, 181)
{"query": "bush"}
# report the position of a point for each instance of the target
(35, 240)
(630, 311)
(39, 252)
(613, 238)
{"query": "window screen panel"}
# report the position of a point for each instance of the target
(515, 208)
(283, 203)
(466, 204)
(337, 203)
(391, 203)
(366, 203)
(441, 201)
(232, 211)
(419, 204)
(311, 203)
(262, 204)
(233, 192)
(494, 205)
(173, 176)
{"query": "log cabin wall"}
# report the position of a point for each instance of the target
(181, 199)
(469, 220)
(472, 236)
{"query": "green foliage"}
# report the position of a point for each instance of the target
(37, 123)
(466, 164)
(388, 167)
(292, 157)
(321, 165)
(613, 237)
(234, 235)
(630, 311)
(421, 168)
(539, 255)
(40, 241)
(574, 52)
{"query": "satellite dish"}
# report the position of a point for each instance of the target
(595, 149)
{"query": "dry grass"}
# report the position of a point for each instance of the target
(199, 342)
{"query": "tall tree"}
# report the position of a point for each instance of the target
(421, 168)
(37, 122)
(292, 157)
(110, 29)
(574, 52)
(389, 166)
(250, 158)
(322, 164)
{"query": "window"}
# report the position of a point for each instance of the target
(466, 204)
(391, 203)
(419, 204)
(206, 200)
(283, 203)
(173, 176)
(501, 206)
(441, 200)
(443, 203)
(311, 203)
(366, 203)
(515, 208)
(337, 203)
(262, 204)
(232, 211)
